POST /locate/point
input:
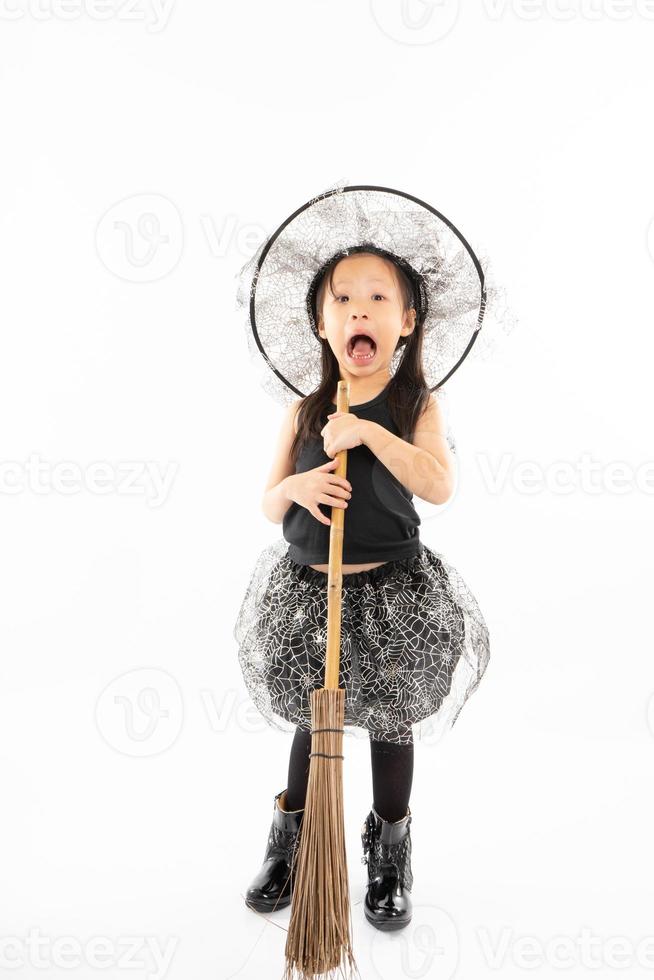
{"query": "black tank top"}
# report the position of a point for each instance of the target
(380, 523)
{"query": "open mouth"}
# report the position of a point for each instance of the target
(361, 348)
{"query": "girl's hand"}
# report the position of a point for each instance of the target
(319, 486)
(343, 431)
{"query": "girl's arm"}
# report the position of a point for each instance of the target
(275, 500)
(425, 466)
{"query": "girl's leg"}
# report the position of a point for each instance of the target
(298, 770)
(392, 775)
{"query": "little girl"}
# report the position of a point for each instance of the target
(374, 287)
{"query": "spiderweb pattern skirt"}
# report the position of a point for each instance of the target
(414, 644)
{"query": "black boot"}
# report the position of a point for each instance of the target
(272, 888)
(387, 852)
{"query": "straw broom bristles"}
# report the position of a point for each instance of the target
(318, 941)
(319, 932)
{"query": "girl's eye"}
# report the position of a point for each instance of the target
(375, 295)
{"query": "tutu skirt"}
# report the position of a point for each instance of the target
(414, 644)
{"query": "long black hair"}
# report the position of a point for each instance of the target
(408, 393)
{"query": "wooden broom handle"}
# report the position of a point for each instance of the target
(335, 573)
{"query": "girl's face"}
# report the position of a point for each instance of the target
(366, 301)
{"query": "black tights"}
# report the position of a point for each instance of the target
(392, 775)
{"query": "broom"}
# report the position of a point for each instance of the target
(319, 931)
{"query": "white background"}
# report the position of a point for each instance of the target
(137, 788)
